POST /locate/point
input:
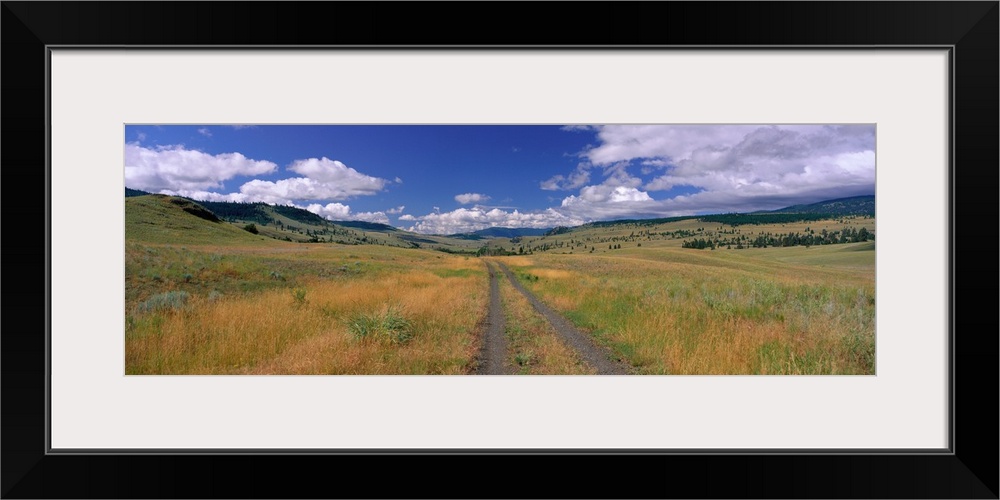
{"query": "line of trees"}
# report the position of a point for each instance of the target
(791, 239)
(757, 219)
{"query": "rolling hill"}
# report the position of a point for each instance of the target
(158, 218)
(164, 219)
(855, 205)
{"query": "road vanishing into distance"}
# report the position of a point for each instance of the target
(493, 356)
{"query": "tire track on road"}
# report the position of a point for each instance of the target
(595, 355)
(494, 352)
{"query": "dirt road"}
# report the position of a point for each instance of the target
(494, 352)
(596, 356)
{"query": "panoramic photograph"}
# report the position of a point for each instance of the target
(567, 249)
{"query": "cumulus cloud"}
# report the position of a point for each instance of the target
(397, 210)
(211, 196)
(618, 196)
(331, 211)
(468, 198)
(339, 211)
(731, 168)
(325, 180)
(338, 180)
(464, 220)
(780, 162)
(205, 132)
(627, 142)
(407, 217)
(613, 194)
(177, 168)
(176, 171)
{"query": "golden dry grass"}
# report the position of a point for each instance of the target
(681, 311)
(267, 332)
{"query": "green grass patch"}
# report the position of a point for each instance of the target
(388, 325)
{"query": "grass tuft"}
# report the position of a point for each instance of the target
(388, 324)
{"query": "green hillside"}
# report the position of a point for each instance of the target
(158, 218)
(855, 205)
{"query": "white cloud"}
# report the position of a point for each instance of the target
(176, 168)
(398, 180)
(464, 220)
(397, 210)
(339, 211)
(627, 142)
(141, 136)
(205, 132)
(325, 180)
(407, 217)
(618, 196)
(613, 194)
(732, 168)
(210, 196)
(337, 179)
(467, 198)
(331, 211)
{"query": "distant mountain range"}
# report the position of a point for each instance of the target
(500, 232)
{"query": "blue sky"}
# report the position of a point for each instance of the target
(445, 179)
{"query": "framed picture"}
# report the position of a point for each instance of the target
(919, 79)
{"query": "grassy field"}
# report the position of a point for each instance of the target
(300, 309)
(207, 297)
(671, 235)
(682, 311)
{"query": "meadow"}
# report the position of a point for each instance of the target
(204, 297)
(300, 309)
(681, 311)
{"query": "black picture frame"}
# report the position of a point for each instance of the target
(968, 470)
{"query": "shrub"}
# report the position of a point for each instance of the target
(163, 302)
(251, 228)
(388, 325)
